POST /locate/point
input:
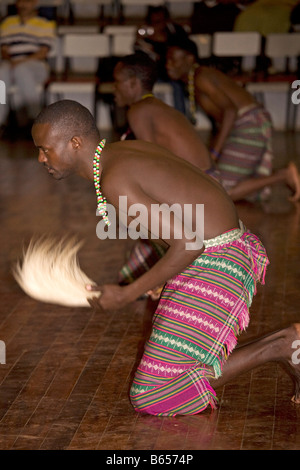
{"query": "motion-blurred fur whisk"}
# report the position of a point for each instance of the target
(49, 271)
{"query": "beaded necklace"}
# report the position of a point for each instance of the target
(191, 91)
(101, 201)
(148, 95)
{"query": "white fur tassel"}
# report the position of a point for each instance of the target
(49, 272)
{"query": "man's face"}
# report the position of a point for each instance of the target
(56, 154)
(178, 63)
(26, 7)
(124, 89)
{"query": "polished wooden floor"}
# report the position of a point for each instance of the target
(67, 373)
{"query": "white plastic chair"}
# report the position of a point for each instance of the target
(203, 43)
(180, 8)
(80, 52)
(137, 8)
(284, 47)
(122, 43)
(79, 9)
(246, 45)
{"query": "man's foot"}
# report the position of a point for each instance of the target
(293, 181)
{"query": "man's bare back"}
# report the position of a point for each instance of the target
(215, 92)
(153, 176)
(154, 121)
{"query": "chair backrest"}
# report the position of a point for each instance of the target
(50, 3)
(282, 45)
(180, 8)
(84, 50)
(92, 2)
(80, 9)
(137, 8)
(76, 29)
(86, 45)
(142, 2)
(119, 29)
(204, 43)
(234, 44)
(122, 43)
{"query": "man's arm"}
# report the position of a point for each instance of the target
(141, 122)
(4, 53)
(178, 256)
(214, 100)
(41, 54)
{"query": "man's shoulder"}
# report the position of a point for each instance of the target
(39, 21)
(10, 21)
(147, 107)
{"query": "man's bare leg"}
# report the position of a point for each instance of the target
(288, 176)
(275, 347)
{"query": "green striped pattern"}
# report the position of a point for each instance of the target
(201, 312)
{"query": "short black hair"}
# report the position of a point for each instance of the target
(152, 10)
(141, 66)
(185, 44)
(70, 117)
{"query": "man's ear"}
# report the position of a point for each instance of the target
(76, 142)
(133, 82)
(190, 58)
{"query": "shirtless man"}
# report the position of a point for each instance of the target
(189, 342)
(242, 144)
(151, 119)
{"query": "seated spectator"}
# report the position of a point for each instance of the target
(154, 37)
(25, 41)
(266, 17)
(212, 16)
(295, 18)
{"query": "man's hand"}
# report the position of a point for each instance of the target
(155, 294)
(108, 297)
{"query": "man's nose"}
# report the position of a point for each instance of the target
(42, 157)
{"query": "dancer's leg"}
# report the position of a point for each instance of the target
(275, 347)
(288, 176)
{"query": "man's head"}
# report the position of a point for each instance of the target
(65, 134)
(158, 17)
(181, 55)
(26, 7)
(134, 75)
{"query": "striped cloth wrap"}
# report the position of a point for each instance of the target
(200, 314)
(247, 152)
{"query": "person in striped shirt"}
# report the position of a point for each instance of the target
(25, 40)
